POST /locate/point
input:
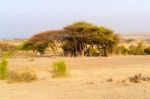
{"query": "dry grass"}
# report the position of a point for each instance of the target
(22, 75)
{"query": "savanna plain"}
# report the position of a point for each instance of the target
(113, 77)
(89, 78)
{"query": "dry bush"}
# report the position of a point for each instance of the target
(139, 78)
(23, 75)
(6, 47)
(136, 78)
(110, 80)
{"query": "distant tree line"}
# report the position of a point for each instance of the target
(138, 49)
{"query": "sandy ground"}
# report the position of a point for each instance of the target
(88, 79)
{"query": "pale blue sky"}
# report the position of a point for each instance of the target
(23, 18)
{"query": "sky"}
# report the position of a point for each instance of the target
(23, 18)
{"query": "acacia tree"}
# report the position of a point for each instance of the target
(80, 36)
(85, 35)
(41, 41)
(105, 40)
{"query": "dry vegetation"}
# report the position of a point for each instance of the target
(22, 75)
(103, 77)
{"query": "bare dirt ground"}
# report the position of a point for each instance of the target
(90, 78)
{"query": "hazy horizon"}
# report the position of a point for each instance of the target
(23, 18)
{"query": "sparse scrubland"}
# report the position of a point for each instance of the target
(80, 61)
(103, 77)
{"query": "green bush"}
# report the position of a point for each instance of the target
(59, 68)
(3, 68)
(4, 63)
(147, 51)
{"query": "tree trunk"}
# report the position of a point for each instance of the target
(99, 49)
(105, 52)
(75, 45)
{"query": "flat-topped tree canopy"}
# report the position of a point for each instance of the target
(42, 40)
(49, 36)
(81, 31)
(78, 37)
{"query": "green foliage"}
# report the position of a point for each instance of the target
(23, 46)
(4, 63)
(80, 34)
(3, 68)
(92, 50)
(59, 69)
(41, 46)
(147, 51)
(105, 40)
(38, 46)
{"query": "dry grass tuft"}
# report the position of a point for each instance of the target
(110, 80)
(23, 75)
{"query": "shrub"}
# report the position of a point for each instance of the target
(24, 75)
(147, 51)
(121, 50)
(8, 54)
(4, 64)
(59, 69)
(3, 68)
(137, 50)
